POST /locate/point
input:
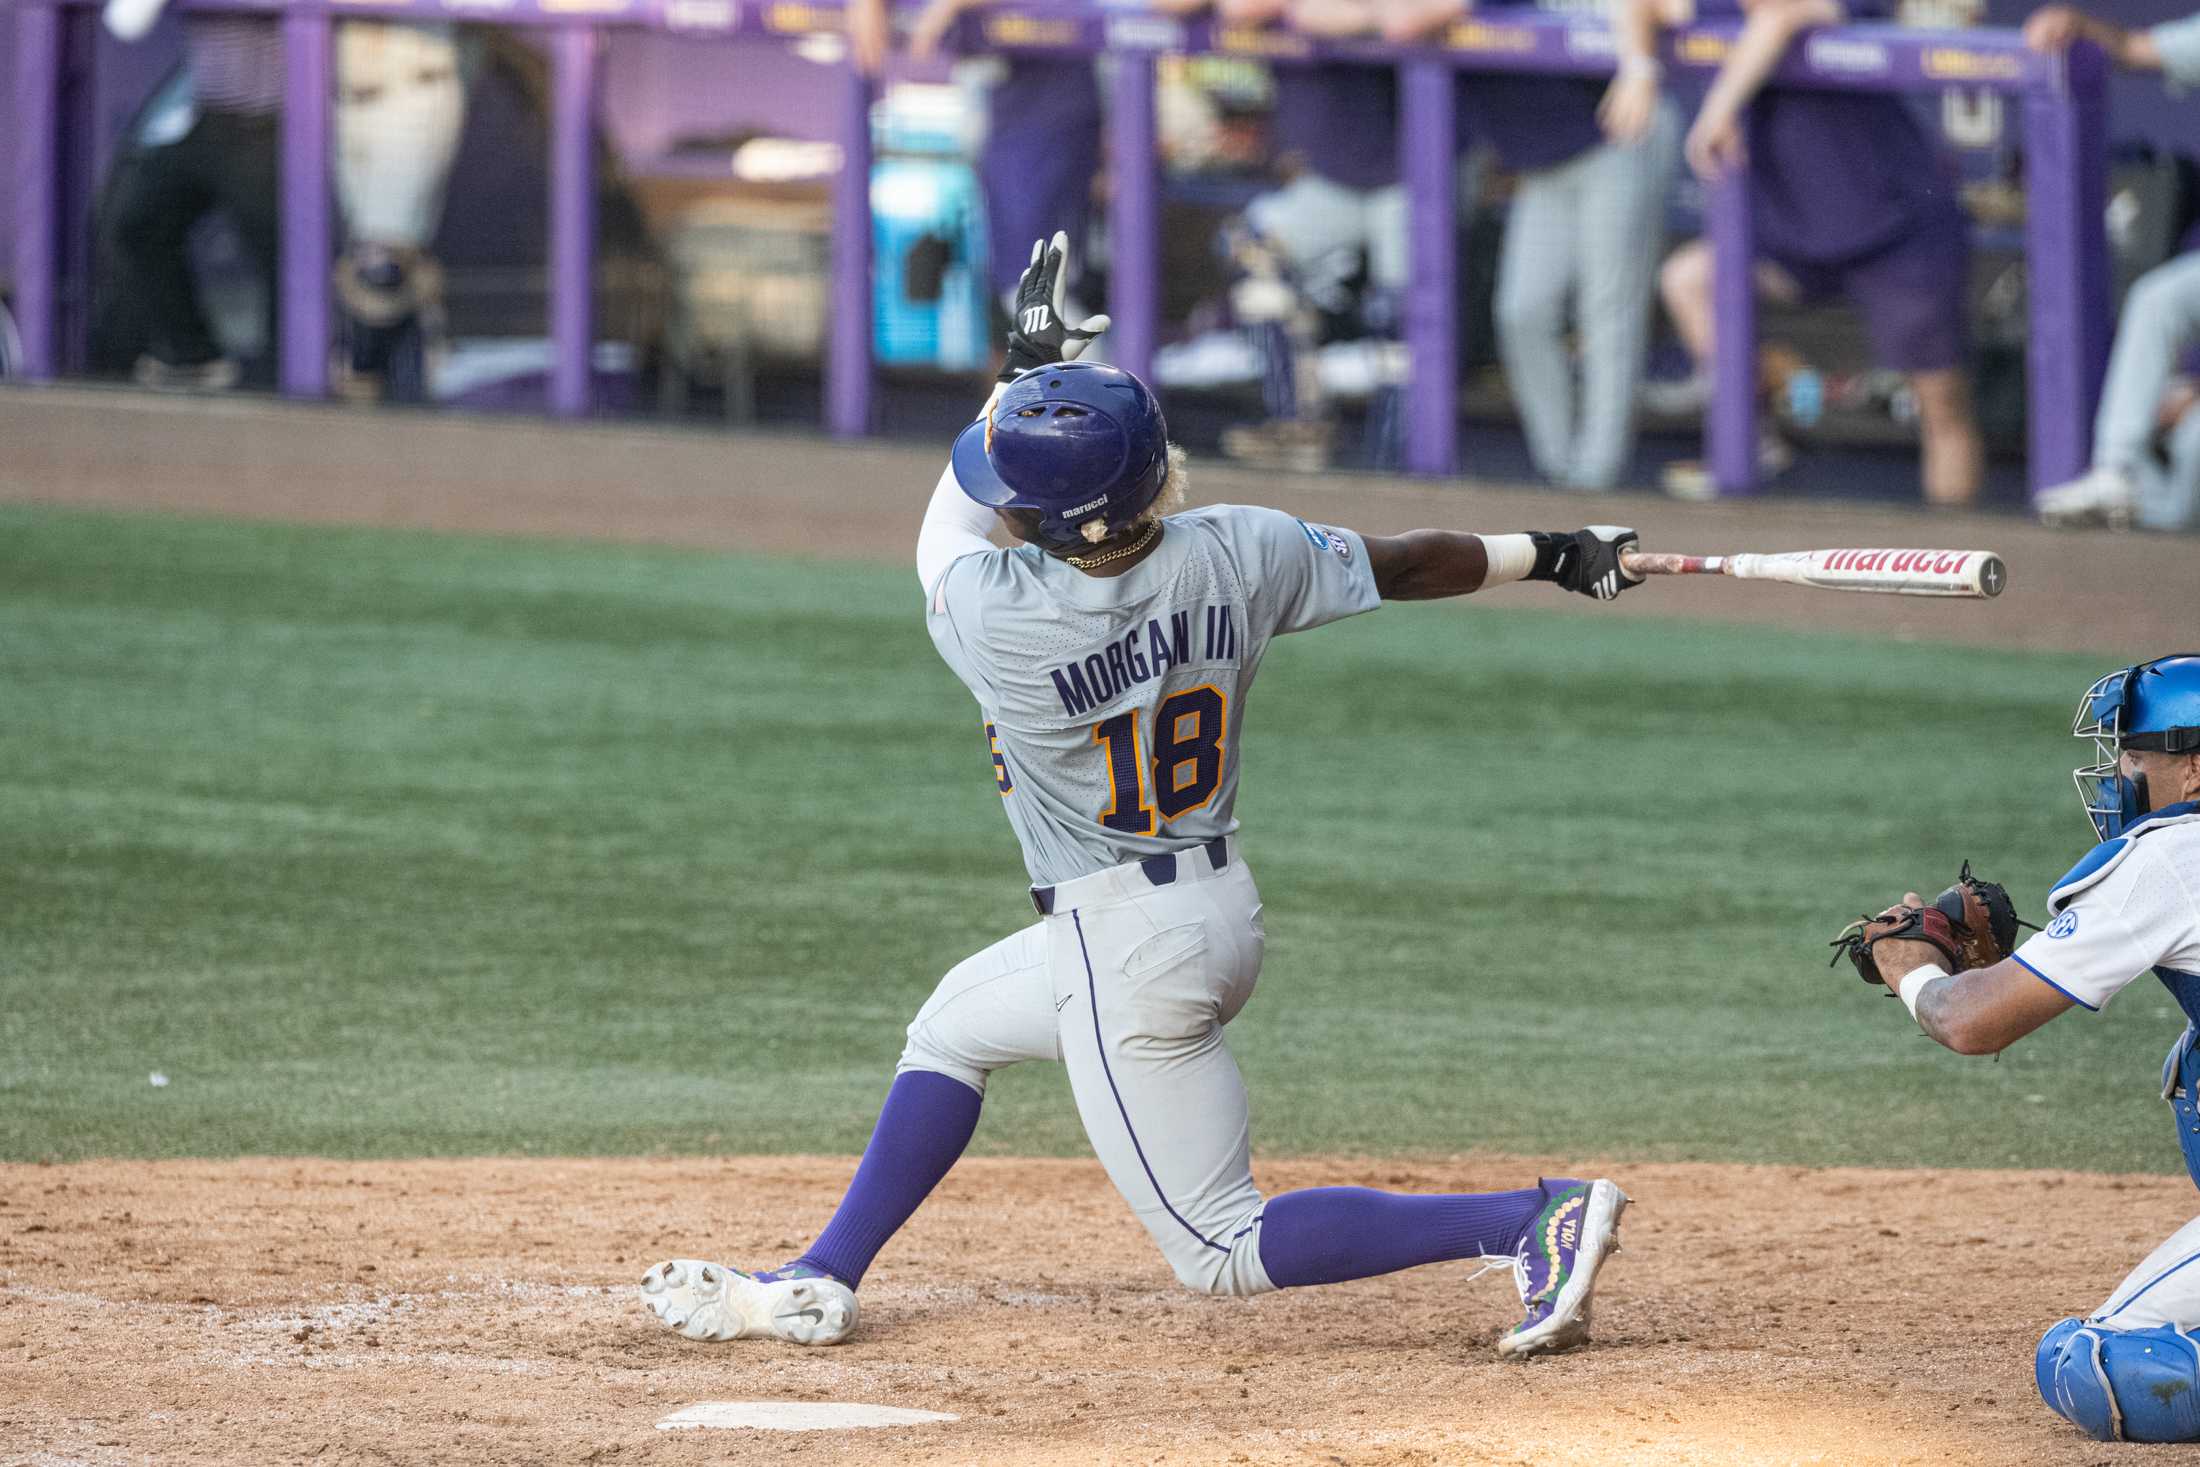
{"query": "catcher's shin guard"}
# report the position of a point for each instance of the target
(2140, 1385)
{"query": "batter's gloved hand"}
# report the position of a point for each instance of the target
(1972, 924)
(1040, 336)
(1585, 561)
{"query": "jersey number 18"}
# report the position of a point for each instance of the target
(1186, 762)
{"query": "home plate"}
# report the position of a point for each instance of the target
(795, 1416)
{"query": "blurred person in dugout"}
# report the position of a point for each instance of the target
(2146, 433)
(1582, 236)
(1338, 215)
(1041, 149)
(1849, 198)
(399, 106)
(1335, 125)
(1594, 165)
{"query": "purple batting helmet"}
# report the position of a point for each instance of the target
(1070, 442)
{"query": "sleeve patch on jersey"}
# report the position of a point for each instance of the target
(1321, 537)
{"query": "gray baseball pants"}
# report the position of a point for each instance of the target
(1585, 235)
(2161, 318)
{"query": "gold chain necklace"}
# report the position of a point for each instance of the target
(1087, 562)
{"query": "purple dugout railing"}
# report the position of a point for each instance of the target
(2064, 139)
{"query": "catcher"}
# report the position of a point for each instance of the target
(2131, 1370)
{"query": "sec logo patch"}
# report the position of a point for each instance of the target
(2063, 925)
(1321, 537)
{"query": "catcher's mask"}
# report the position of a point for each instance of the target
(1071, 442)
(2152, 706)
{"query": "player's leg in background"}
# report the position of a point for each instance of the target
(2169, 493)
(2131, 1371)
(246, 186)
(1536, 275)
(1387, 218)
(1684, 285)
(1036, 166)
(1294, 241)
(159, 197)
(1915, 299)
(400, 108)
(1622, 233)
(2160, 319)
(1952, 454)
(1146, 986)
(1386, 221)
(991, 1010)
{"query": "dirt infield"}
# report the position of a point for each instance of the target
(289, 1311)
(799, 495)
(416, 1312)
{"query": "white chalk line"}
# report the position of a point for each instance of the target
(796, 1416)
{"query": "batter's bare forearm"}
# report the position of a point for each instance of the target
(1427, 565)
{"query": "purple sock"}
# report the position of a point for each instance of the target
(926, 1123)
(1325, 1235)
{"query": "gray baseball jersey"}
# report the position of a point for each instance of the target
(1113, 704)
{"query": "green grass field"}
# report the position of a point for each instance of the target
(387, 844)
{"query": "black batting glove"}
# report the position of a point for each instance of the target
(1040, 336)
(1585, 561)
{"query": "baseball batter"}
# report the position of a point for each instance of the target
(2130, 1371)
(1111, 652)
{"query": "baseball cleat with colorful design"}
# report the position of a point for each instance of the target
(1557, 1265)
(709, 1301)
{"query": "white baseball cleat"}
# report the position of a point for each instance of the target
(2103, 496)
(709, 1301)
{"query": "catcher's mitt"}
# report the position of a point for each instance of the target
(1973, 924)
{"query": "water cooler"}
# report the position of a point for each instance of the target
(927, 231)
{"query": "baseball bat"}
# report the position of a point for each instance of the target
(1976, 574)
